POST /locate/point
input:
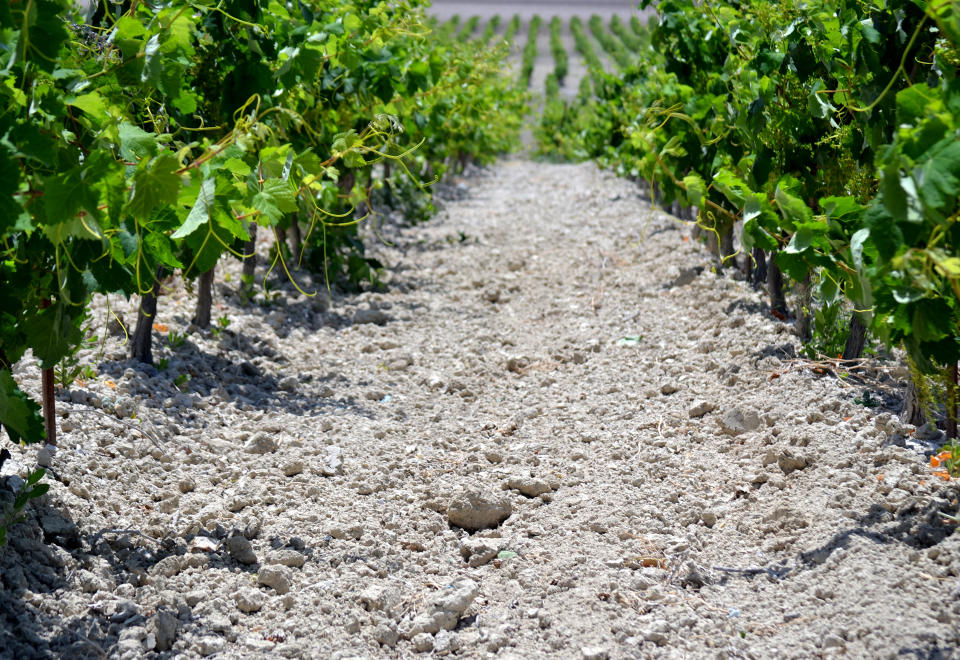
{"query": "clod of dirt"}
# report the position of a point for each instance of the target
(333, 465)
(474, 510)
(240, 550)
(479, 551)
(445, 610)
(423, 642)
(275, 577)
(287, 557)
(162, 629)
(594, 653)
(737, 420)
(370, 315)
(292, 468)
(701, 408)
(788, 461)
(261, 443)
(529, 486)
(249, 600)
(386, 634)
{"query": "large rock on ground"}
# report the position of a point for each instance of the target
(474, 510)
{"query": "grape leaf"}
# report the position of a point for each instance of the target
(135, 143)
(200, 213)
(19, 415)
(275, 199)
(52, 333)
(155, 183)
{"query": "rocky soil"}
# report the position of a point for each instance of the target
(556, 433)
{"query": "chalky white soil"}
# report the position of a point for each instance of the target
(552, 358)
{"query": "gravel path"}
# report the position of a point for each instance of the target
(555, 435)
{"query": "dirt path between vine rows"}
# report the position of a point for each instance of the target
(652, 473)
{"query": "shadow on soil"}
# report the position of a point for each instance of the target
(48, 554)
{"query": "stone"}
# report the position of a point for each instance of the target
(248, 600)
(167, 567)
(56, 525)
(292, 468)
(444, 611)
(669, 388)
(833, 642)
(386, 634)
(203, 544)
(737, 420)
(45, 455)
(529, 486)
(701, 408)
(445, 642)
(352, 624)
(261, 443)
(594, 653)
(209, 645)
(788, 461)
(333, 465)
(163, 626)
(423, 642)
(370, 315)
(479, 551)
(475, 510)
(693, 577)
(378, 598)
(240, 549)
(287, 557)
(275, 577)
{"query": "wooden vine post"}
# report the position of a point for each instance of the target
(48, 398)
(952, 401)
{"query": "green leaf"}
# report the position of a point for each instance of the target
(91, 103)
(818, 104)
(38, 491)
(10, 210)
(696, 190)
(913, 103)
(793, 210)
(19, 415)
(135, 143)
(128, 27)
(856, 246)
(941, 177)
(828, 289)
(52, 334)
(352, 22)
(757, 236)
(42, 33)
(801, 239)
(155, 183)
(200, 213)
(236, 166)
(64, 195)
(354, 159)
(274, 199)
(152, 62)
